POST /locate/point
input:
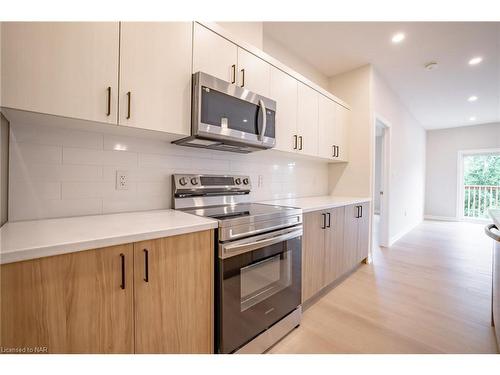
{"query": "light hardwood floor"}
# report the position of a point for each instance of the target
(428, 293)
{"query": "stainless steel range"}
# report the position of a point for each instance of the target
(258, 260)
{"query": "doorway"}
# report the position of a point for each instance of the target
(478, 185)
(381, 160)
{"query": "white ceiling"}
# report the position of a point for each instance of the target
(437, 98)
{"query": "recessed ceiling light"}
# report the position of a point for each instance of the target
(472, 98)
(475, 60)
(472, 118)
(398, 38)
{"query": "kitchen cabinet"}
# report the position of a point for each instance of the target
(356, 234)
(173, 283)
(307, 120)
(73, 303)
(334, 242)
(341, 131)
(322, 250)
(155, 76)
(284, 90)
(254, 73)
(214, 55)
(313, 253)
(334, 245)
(149, 297)
(61, 68)
(333, 125)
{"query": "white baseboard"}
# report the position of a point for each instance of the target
(440, 218)
(396, 237)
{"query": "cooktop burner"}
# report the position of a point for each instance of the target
(229, 212)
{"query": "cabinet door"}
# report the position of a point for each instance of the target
(307, 120)
(254, 73)
(173, 283)
(61, 68)
(214, 55)
(363, 232)
(326, 127)
(313, 254)
(334, 244)
(284, 91)
(351, 238)
(155, 76)
(341, 131)
(496, 292)
(71, 303)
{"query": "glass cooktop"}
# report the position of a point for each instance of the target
(240, 210)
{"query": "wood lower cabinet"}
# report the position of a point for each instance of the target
(334, 242)
(313, 253)
(173, 282)
(72, 303)
(108, 301)
(357, 234)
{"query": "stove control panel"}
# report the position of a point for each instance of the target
(204, 184)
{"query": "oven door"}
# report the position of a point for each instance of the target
(226, 112)
(259, 284)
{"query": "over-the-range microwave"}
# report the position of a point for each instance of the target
(228, 117)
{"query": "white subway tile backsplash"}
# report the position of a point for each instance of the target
(57, 172)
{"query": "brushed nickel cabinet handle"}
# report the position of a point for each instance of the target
(295, 141)
(300, 142)
(233, 73)
(108, 112)
(329, 219)
(324, 221)
(242, 77)
(129, 94)
(122, 285)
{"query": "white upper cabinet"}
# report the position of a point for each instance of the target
(307, 120)
(254, 73)
(62, 68)
(214, 55)
(326, 127)
(284, 90)
(341, 131)
(155, 76)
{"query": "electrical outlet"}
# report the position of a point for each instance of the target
(122, 180)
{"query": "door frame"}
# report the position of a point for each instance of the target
(384, 239)
(459, 210)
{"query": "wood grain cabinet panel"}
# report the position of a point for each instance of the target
(313, 254)
(72, 303)
(334, 245)
(173, 283)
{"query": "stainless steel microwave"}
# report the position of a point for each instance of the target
(228, 117)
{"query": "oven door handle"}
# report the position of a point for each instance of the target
(230, 250)
(263, 109)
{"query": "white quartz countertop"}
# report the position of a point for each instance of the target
(495, 215)
(39, 238)
(309, 204)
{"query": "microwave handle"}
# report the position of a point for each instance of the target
(264, 119)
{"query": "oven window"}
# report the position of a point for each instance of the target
(261, 280)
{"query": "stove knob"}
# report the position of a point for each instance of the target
(238, 181)
(183, 181)
(194, 181)
(246, 181)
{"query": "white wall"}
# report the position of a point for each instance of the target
(354, 178)
(250, 32)
(281, 53)
(407, 160)
(58, 172)
(442, 158)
